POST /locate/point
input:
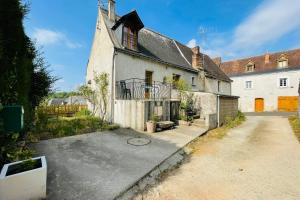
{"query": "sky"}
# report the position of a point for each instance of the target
(64, 29)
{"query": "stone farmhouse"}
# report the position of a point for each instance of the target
(267, 82)
(139, 62)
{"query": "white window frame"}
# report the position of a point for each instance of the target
(287, 82)
(248, 88)
(282, 63)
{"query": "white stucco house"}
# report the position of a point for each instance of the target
(267, 82)
(139, 60)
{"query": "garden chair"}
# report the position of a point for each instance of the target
(125, 92)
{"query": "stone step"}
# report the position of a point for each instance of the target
(199, 122)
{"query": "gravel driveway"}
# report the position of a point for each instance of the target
(258, 160)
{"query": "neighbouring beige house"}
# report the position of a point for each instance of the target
(139, 61)
(267, 82)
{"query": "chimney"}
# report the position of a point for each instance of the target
(267, 58)
(112, 10)
(217, 61)
(196, 58)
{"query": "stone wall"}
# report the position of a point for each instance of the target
(206, 103)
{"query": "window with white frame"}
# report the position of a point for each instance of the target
(248, 84)
(250, 67)
(283, 82)
(282, 63)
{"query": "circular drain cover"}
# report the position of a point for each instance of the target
(138, 141)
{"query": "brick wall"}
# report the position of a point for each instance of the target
(228, 108)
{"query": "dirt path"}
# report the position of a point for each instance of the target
(258, 160)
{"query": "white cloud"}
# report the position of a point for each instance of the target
(269, 22)
(46, 37)
(192, 43)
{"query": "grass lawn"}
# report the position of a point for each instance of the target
(57, 127)
(295, 123)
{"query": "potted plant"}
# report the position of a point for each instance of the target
(152, 124)
(24, 179)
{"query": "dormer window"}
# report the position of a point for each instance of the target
(250, 67)
(128, 27)
(130, 38)
(282, 62)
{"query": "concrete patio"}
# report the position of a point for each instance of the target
(103, 165)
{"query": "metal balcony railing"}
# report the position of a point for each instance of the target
(139, 89)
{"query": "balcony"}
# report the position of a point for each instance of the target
(139, 89)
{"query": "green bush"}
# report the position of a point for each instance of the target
(11, 149)
(64, 126)
(239, 119)
(82, 113)
(295, 123)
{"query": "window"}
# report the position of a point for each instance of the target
(193, 81)
(219, 86)
(148, 80)
(282, 63)
(176, 78)
(248, 84)
(250, 67)
(283, 82)
(165, 79)
(130, 38)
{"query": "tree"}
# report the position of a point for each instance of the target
(89, 94)
(24, 78)
(97, 95)
(102, 86)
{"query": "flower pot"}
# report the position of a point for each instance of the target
(19, 180)
(151, 127)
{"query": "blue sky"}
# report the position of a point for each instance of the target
(231, 29)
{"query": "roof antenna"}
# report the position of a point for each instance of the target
(203, 32)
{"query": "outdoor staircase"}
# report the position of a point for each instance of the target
(199, 123)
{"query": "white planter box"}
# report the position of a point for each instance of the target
(28, 185)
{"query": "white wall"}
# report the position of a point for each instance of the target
(264, 86)
(211, 85)
(128, 67)
(101, 57)
(130, 114)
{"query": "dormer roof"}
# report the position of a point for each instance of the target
(131, 19)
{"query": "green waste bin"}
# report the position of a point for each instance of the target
(12, 118)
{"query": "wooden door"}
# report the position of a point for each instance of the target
(259, 105)
(148, 84)
(287, 103)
